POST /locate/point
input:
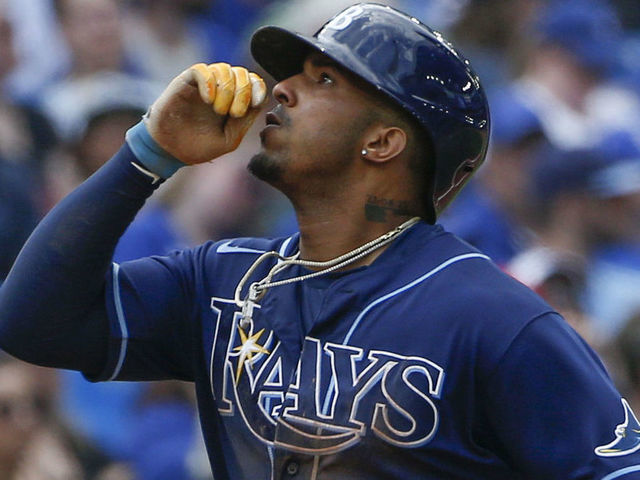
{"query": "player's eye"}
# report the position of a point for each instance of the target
(325, 78)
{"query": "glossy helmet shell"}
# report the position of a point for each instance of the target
(410, 63)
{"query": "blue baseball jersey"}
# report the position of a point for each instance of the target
(430, 363)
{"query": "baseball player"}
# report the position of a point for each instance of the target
(370, 345)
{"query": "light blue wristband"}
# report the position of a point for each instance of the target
(149, 153)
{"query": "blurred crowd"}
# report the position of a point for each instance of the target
(557, 204)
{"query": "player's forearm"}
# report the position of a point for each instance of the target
(55, 289)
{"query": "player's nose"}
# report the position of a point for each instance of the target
(284, 92)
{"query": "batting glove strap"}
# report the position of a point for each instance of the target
(149, 153)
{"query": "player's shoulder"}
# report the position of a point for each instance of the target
(452, 277)
(473, 296)
(464, 285)
(472, 281)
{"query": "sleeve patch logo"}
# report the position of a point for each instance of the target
(627, 436)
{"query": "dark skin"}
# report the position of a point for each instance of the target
(312, 151)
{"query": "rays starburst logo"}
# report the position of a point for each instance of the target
(247, 349)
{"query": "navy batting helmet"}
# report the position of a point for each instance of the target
(410, 63)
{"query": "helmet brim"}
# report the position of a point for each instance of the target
(281, 53)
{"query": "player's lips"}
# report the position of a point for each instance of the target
(276, 118)
(273, 119)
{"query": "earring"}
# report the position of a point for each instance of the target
(364, 152)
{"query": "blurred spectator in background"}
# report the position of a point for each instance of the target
(25, 136)
(230, 24)
(32, 446)
(96, 113)
(540, 216)
(567, 74)
(614, 280)
(587, 203)
(490, 32)
(39, 45)
(92, 30)
(568, 202)
(163, 37)
(167, 406)
(559, 277)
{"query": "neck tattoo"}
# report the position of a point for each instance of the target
(377, 209)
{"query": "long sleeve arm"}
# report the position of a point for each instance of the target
(52, 310)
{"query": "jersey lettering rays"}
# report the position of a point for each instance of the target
(335, 396)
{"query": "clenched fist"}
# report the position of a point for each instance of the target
(205, 111)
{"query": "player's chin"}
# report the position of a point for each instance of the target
(266, 168)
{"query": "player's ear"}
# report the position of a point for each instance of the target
(383, 144)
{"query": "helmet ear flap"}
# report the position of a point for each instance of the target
(469, 147)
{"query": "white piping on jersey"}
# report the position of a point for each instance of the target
(439, 268)
(283, 247)
(386, 297)
(622, 472)
(122, 323)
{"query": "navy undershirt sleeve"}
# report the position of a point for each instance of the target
(52, 307)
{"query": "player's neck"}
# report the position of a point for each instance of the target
(327, 234)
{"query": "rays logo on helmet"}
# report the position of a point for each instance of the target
(344, 19)
(627, 436)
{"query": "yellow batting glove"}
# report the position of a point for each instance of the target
(206, 111)
(231, 90)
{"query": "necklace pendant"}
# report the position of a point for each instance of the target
(248, 305)
(246, 318)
